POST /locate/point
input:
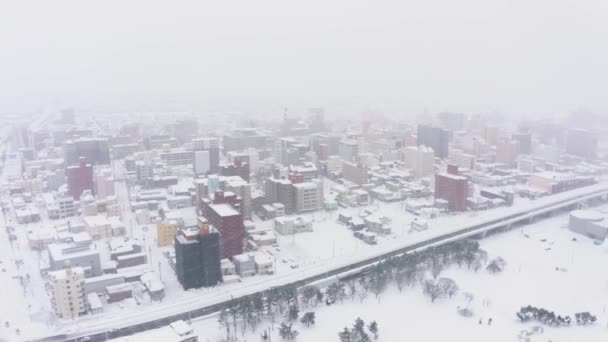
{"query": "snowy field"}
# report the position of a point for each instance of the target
(530, 278)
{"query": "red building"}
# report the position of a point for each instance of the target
(229, 222)
(452, 188)
(80, 178)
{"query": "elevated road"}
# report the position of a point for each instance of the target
(157, 316)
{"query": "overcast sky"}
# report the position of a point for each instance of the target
(527, 57)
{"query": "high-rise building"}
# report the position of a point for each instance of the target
(197, 256)
(104, 183)
(507, 151)
(420, 159)
(237, 169)
(68, 292)
(308, 196)
(165, 232)
(210, 145)
(356, 173)
(462, 159)
(279, 190)
(525, 142)
(435, 138)
(242, 189)
(202, 164)
(79, 178)
(581, 143)
(96, 151)
(452, 188)
(229, 222)
(349, 150)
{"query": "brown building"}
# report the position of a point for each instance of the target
(452, 188)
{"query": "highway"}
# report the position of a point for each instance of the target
(186, 309)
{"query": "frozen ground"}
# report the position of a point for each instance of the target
(529, 278)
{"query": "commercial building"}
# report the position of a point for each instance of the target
(349, 150)
(165, 232)
(553, 182)
(177, 156)
(308, 196)
(420, 159)
(79, 178)
(104, 183)
(242, 138)
(278, 190)
(525, 141)
(461, 159)
(95, 151)
(356, 173)
(436, 138)
(68, 292)
(581, 143)
(229, 222)
(211, 158)
(237, 169)
(197, 256)
(289, 225)
(453, 189)
(507, 151)
(75, 255)
(589, 223)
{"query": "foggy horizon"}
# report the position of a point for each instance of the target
(515, 58)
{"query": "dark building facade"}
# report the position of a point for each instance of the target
(581, 143)
(237, 169)
(79, 178)
(525, 142)
(435, 138)
(197, 256)
(96, 151)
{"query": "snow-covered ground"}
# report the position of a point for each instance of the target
(530, 278)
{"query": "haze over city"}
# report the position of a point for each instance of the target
(516, 58)
(347, 171)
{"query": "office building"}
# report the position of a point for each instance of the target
(237, 169)
(356, 173)
(165, 232)
(435, 138)
(279, 190)
(79, 178)
(211, 146)
(525, 141)
(197, 256)
(308, 196)
(229, 222)
(104, 183)
(452, 188)
(95, 151)
(507, 151)
(420, 159)
(68, 292)
(63, 255)
(349, 150)
(461, 159)
(581, 143)
(177, 156)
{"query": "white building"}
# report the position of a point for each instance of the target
(349, 150)
(420, 159)
(104, 183)
(68, 292)
(461, 159)
(202, 163)
(308, 196)
(289, 225)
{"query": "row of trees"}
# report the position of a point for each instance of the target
(528, 313)
(358, 332)
(422, 267)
